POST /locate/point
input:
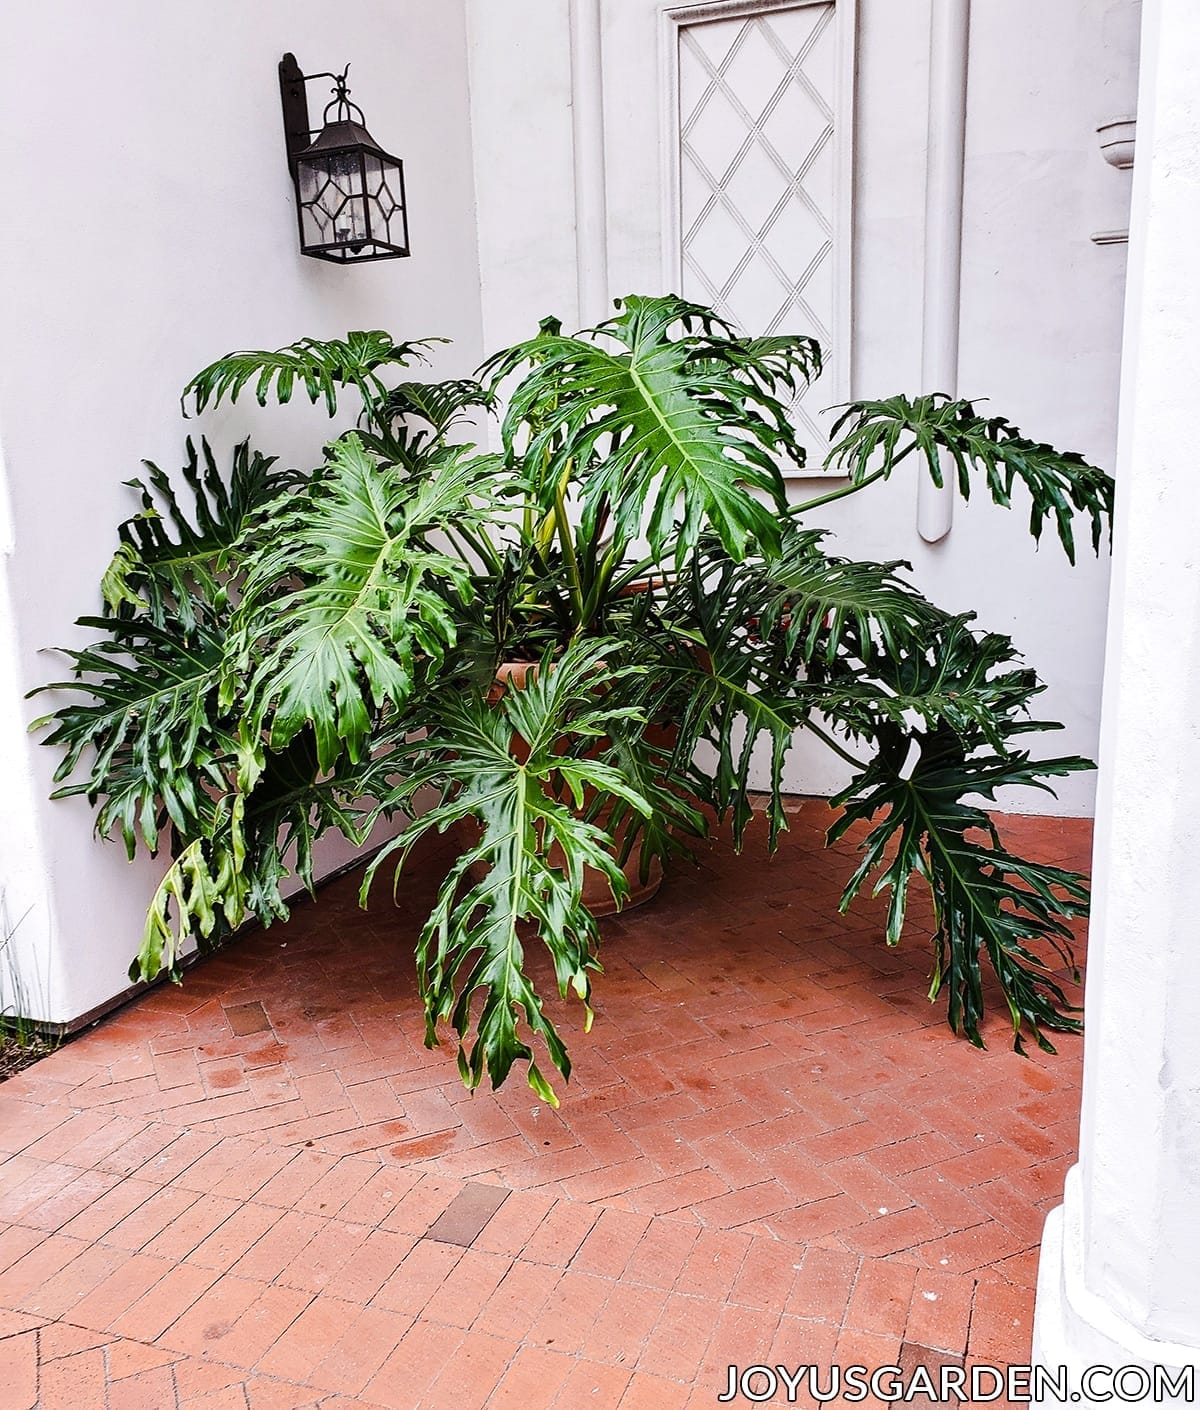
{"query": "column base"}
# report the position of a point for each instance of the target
(1074, 1329)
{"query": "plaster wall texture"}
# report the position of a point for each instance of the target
(152, 228)
(1118, 1268)
(1041, 303)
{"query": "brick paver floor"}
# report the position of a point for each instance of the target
(259, 1191)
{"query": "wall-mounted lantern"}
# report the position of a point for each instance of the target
(349, 191)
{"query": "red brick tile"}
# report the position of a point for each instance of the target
(713, 1264)
(1002, 1319)
(375, 1259)
(24, 1122)
(296, 1179)
(510, 1228)
(278, 1248)
(334, 1247)
(471, 1376)
(16, 1241)
(422, 1273)
(661, 1254)
(375, 1200)
(241, 1337)
(13, 1323)
(356, 1357)
(610, 1243)
(823, 1285)
(565, 1322)
(558, 1237)
(144, 1390)
(519, 1299)
(590, 1384)
(309, 1339)
(31, 1185)
(676, 1346)
(337, 1187)
(678, 1192)
(468, 1288)
(534, 1377)
(744, 1206)
(767, 1275)
(915, 1153)
(799, 1342)
(741, 1335)
(59, 1339)
(131, 1358)
(72, 1381)
(25, 1278)
(833, 1117)
(57, 1295)
(131, 1280)
(649, 1392)
(213, 1317)
(939, 1314)
(624, 1325)
(150, 1218)
(417, 1361)
(420, 1206)
(807, 1223)
(190, 1229)
(969, 1249)
(892, 1233)
(235, 1237)
(988, 1162)
(880, 1300)
(148, 1318)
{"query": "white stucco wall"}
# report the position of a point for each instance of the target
(150, 228)
(1041, 303)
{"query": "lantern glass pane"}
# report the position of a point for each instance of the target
(384, 193)
(332, 200)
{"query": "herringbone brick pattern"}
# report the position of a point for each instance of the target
(260, 1190)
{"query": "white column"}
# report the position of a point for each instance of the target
(946, 143)
(587, 126)
(1120, 1271)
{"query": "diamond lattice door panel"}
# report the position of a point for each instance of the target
(761, 233)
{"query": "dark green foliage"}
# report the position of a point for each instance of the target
(321, 369)
(310, 652)
(879, 434)
(664, 433)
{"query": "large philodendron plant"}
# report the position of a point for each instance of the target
(307, 651)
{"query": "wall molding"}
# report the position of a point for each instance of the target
(673, 20)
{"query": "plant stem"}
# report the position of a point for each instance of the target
(567, 543)
(828, 739)
(854, 487)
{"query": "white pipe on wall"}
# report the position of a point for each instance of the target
(943, 233)
(587, 128)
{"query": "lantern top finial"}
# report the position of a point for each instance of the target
(341, 101)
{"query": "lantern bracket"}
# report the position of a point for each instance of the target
(297, 129)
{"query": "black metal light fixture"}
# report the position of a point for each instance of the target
(349, 191)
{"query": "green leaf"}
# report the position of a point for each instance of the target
(319, 368)
(148, 723)
(165, 560)
(877, 435)
(374, 596)
(670, 422)
(205, 887)
(972, 702)
(513, 768)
